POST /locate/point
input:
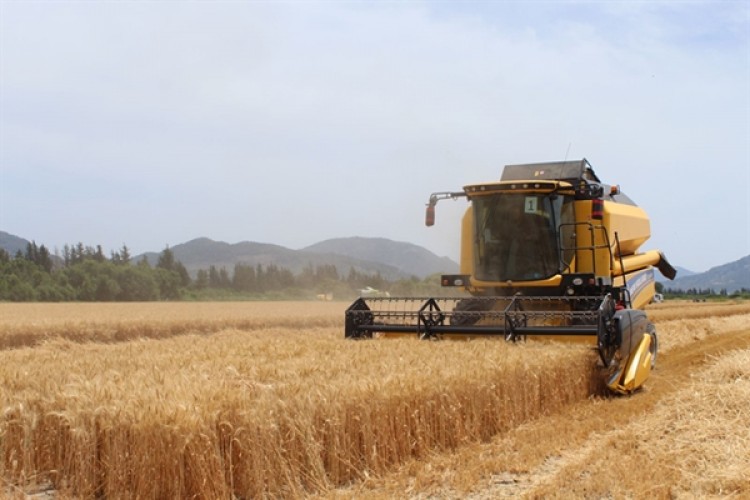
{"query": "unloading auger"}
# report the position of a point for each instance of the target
(549, 250)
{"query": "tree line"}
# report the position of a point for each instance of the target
(86, 273)
(692, 293)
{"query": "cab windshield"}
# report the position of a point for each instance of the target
(516, 235)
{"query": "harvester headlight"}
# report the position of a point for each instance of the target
(570, 291)
(577, 281)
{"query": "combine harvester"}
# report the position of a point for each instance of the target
(551, 251)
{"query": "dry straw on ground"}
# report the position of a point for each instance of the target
(694, 444)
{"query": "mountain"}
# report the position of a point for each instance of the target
(730, 277)
(682, 272)
(11, 243)
(409, 258)
(202, 253)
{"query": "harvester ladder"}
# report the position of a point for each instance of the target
(592, 247)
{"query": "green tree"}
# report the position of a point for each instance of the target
(137, 283)
(243, 279)
(39, 255)
(98, 254)
(201, 280)
(183, 274)
(166, 260)
(22, 279)
(213, 277)
(224, 281)
(19, 291)
(121, 256)
(307, 278)
(124, 254)
(107, 289)
(169, 284)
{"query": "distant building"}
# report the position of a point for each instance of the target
(372, 292)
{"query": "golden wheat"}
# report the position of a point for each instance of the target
(278, 412)
(676, 333)
(30, 324)
(275, 403)
(685, 309)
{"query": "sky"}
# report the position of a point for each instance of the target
(153, 123)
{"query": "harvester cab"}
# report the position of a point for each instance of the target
(548, 250)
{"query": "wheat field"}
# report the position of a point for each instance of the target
(28, 324)
(249, 400)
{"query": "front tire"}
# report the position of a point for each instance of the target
(471, 306)
(654, 348)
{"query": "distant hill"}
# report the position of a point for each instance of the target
(392, 259)
(11, 243)
(202, 253)
(682, 272)
(408, 258)
(731, 277)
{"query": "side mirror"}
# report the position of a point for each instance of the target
(429, 219)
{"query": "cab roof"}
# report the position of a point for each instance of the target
(568, 171)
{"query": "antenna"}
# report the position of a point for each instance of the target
(568, 151)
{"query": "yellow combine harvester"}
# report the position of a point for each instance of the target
(549, 250)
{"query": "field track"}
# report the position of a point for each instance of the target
(92, 403)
